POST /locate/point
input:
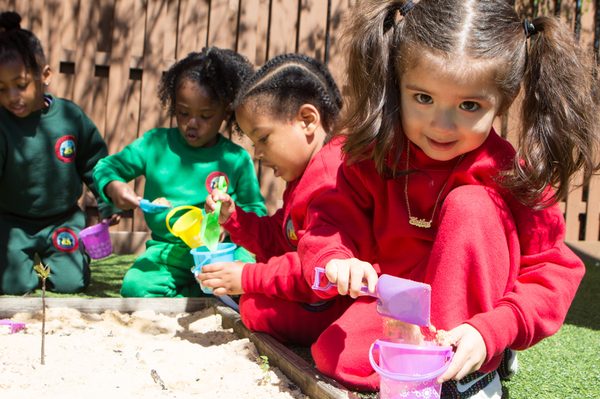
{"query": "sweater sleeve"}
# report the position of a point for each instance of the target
(260, 235)
(338, 226)
(123, 166)
(247, 190)
(280, 277)
(544, 289)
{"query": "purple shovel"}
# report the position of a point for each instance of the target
(401, 299)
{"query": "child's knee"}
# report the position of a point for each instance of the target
(474, 205)
(133, 285)
(139, 284)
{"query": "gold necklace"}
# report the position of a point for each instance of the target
(413, 220)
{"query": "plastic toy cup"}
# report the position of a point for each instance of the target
(96, 240)
(203, 256)
(187, 227)
(409, 371)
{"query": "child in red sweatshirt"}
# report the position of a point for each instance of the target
(431, 193)
(288, 110)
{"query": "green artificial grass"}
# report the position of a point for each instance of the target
(566, 365)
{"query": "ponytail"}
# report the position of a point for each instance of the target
(559, 115)
(374, 103)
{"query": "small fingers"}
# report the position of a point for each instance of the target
(220, 291)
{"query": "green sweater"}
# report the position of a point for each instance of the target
(182, 174)
(45, 157)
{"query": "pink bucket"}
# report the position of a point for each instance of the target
(96, 240)
(409, 371)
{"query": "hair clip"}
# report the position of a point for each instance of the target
(406, 7)
(403, 9)
(529, 28)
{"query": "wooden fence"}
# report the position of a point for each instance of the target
(108, 57)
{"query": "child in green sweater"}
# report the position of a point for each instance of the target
(183, 164)
(48, 148)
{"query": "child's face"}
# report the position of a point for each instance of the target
(281, 145)
(21, 93)
(448, 107)
(199, 117)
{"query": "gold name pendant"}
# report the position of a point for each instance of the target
(422, 223)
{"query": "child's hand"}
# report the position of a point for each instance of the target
(470, 352)
(114, 219)
(122, 195)
(350, 275)
(227, 204)
(225, 278)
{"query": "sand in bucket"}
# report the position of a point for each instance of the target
(409, 371)
(96, 240)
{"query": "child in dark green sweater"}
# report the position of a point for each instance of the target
(183, 164)
(48, 148)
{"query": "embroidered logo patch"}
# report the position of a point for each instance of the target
(65, 148)
(290, 233)
(64, 239)
(212, 179)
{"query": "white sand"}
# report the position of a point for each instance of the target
(137, 356)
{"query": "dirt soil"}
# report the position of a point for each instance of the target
(143, 355)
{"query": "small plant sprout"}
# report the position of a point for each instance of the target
(263, 361)
(43, 272)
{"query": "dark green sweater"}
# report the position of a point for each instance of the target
(45, 157)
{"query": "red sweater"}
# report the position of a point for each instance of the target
(274, 239)
(366, 217)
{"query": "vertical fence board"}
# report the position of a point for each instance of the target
(592, 221)
(68, 39)
(85, 54)
(340, 9)
(223, 23)
(262, 31)
(248, 30)
(192, 27)
(574, 208)
(123, 112)
(311, 30)
(283, 27)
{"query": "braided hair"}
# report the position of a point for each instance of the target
(288, 81)
(21, 43)
(220, 71)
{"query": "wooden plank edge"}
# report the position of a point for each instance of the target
(309, 380)
(11, 305)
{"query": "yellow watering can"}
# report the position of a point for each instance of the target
(188, 226)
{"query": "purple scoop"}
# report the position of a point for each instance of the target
(399, 298)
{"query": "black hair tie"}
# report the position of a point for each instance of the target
(390, 18)
(406, 7)
(529, 28)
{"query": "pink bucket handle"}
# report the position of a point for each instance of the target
(402, 377)
(319, 271)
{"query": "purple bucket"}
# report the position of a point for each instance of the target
(96, 240)
(409, 371)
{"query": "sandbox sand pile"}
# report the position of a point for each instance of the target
(143, 355)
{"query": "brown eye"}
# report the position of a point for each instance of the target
(470, 106)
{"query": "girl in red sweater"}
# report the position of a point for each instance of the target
(288, 110)
(431, 193)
